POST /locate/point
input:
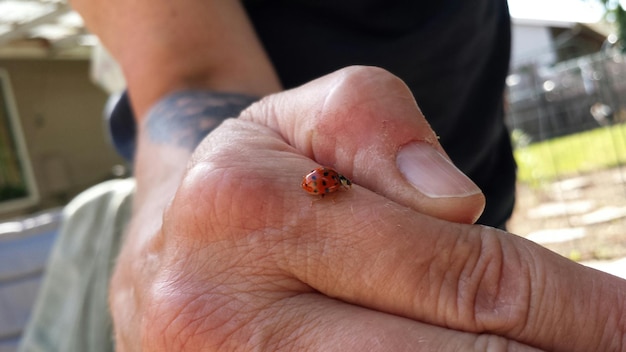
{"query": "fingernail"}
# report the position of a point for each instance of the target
(432, 173)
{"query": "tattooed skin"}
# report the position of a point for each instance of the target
(185, 118)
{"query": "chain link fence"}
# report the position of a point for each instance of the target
(568, 125)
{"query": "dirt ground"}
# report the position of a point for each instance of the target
(582, 217)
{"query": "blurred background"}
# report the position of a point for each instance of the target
(566, 111)
(566, 99)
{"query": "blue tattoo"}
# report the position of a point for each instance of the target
(185, 118)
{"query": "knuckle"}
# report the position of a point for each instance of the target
(494, 289)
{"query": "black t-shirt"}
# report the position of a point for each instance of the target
(453, 54)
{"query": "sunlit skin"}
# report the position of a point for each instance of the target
(245, 258)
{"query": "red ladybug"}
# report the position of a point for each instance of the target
(324, 180)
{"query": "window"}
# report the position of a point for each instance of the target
(17, 184)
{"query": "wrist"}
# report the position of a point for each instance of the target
(180, 119)
(168, 135)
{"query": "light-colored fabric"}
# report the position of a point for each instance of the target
(71, 313)
(25, 245)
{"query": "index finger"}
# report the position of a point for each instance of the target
(364, 122)
(362, 248)
(466, 277)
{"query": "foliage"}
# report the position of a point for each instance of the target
(615, 13)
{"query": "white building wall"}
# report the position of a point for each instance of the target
(532, 41)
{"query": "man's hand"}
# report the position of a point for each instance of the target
(246, 260)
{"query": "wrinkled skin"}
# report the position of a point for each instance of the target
(246, 260)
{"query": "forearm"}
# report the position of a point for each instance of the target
(164, 46)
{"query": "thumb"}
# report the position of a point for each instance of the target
(364, 122)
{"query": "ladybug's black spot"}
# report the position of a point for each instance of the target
(324, 183)
(313, 177)
(325, 173)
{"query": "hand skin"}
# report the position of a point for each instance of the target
(246, 260)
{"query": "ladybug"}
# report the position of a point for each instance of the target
(324, 180)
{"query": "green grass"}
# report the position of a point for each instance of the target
(583, 152)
